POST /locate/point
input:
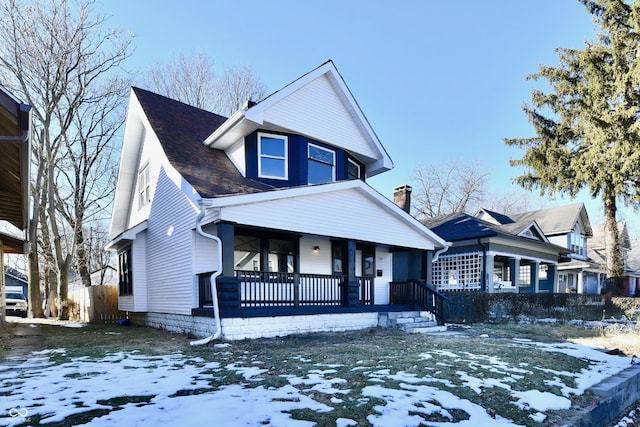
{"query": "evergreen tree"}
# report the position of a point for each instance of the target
(586, 122)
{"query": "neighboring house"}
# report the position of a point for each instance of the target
(15, 149)
(633, 264)
(282, 184)
(14, 278)
(567, 226)
(597, 253)
(494, 253)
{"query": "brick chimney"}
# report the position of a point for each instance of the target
(402, 197)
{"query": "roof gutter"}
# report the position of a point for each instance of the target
(214, 276)
(226, 127)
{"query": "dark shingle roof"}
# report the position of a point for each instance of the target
(181, 129)
(460, 226)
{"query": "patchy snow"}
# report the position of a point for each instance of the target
(173, 389)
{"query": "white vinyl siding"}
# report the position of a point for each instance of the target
(169, 250)
(316, 109)
(137, 302)
(205, 257)
(347, 214)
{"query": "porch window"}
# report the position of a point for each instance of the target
(144, 187)
(321, 165)
(272, 156)
(525, 275)
(125, 282)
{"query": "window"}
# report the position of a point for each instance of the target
(144, 189)
(353, 170)
(578, 244)
(337, 256)
(525, 275)
(321, 165)
(272, 156)
(125, 282)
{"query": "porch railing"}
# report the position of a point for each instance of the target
(419, 295)
(274, 289)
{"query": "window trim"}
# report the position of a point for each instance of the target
(309, 159)
(353, 162)
(144, 193)
(285, 139)
(125, 278)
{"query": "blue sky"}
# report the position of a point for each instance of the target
(439, 81)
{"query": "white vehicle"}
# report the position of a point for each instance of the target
(16, 302)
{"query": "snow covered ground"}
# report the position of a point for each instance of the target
(133, 389)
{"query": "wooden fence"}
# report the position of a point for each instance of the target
(95, 304)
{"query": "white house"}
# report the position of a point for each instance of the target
(272, 203)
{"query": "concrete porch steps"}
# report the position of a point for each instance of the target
(413, 322)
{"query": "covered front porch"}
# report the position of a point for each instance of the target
(494, 272)
(275, 273)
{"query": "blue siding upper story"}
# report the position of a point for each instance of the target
(297, 159)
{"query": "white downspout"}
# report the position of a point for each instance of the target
(214, 276)
(440, 252)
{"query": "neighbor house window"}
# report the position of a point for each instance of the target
(125, 282)
(144, 189)
(353, 170)
(321, 165)
(272, 156)
(578, 243)
(525, 275)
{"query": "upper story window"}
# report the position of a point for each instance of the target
(272, 156)
(321, 165)
(353, 170)
(144, 187)
(578, 243)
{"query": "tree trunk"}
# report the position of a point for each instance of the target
(63, 279)
(35, 299)
(81, 253)
(613, 254)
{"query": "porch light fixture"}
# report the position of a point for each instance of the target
(316, 250)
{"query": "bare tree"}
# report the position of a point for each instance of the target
(448, 188)
(60, 57)
(193, 79)
(189, 78)
(236, 86)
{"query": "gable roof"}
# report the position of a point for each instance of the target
(181, 128)
(328, 106)
(558, 219)
(461, 226)
(320, 211)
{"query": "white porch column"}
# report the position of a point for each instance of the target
(488, 274)
(580, 284)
